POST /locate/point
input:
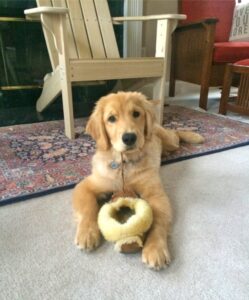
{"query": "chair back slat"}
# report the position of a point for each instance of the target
(93, 30)
(89, 30)
(79, 29)
(106, 27)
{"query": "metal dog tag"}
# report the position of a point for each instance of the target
(114, 165)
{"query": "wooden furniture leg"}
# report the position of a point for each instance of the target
(241, 101)
(225, 90)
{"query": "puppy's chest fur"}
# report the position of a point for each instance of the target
(108, 165)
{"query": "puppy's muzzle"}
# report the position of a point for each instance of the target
(129, 139)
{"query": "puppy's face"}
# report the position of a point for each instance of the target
(122, 121)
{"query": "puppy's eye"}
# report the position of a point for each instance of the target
(136, 114)
(112, 119)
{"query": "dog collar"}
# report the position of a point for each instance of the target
(115, 165)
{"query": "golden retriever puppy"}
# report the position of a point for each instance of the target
(125, 123)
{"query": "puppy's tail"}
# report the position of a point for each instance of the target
(190, 137)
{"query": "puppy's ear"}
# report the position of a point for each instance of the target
(150, 117)
(96, 128)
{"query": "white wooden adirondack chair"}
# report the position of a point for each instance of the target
(82, 47)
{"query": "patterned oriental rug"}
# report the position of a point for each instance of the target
(37, 159)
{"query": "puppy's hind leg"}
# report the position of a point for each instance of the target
(169, 138)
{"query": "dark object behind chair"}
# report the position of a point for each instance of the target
(201, 46)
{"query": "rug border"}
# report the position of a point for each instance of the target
(25, 197)
(71, 185)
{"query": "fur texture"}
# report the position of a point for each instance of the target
(125, 123)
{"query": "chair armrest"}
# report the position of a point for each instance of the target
(119, 20)
(197, 23)
(34, 13)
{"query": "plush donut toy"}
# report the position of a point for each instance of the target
(124, 221)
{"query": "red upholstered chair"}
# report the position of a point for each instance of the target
(201, 46)
(240, 102)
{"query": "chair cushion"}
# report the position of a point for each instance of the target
(244, 62)
(230, 52)
(220, 9)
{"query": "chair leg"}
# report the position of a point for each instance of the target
(159, 94)
(206, 70)
(172, 84)
(67, 100)
(203, 98)
(66, 85)
(172, 76)
(225, 90)
(54, 83)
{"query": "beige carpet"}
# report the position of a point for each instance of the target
(209, 244)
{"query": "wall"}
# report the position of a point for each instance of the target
(154, 7)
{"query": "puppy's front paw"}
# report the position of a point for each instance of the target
(156, 255)
(87, 237)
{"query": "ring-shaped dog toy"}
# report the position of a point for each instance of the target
(129, 232)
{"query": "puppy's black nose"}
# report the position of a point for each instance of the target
(129, 139)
